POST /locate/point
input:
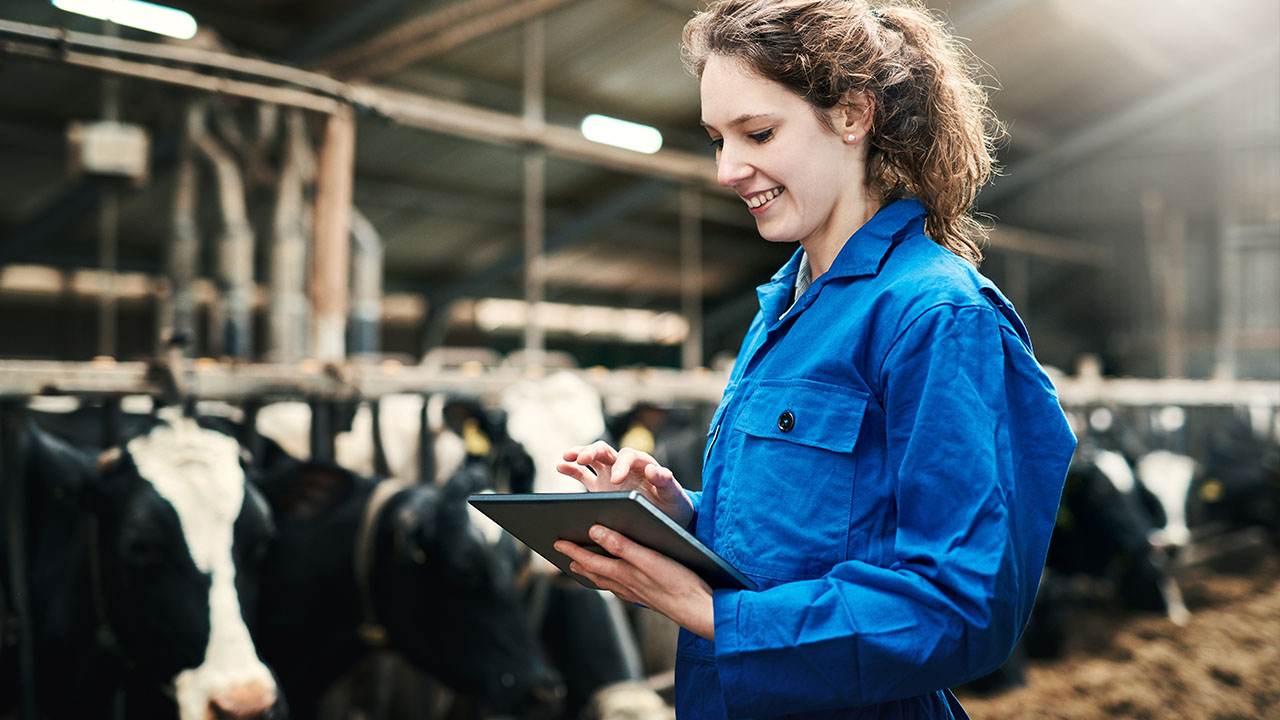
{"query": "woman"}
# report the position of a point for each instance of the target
(888, 456)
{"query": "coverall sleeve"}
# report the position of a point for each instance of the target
(695, 497)
(977, 449)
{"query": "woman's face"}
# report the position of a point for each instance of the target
(799, 178)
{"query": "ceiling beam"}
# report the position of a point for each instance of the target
(355, 20)
(458, 119)
(433, 34)
(407, 32)
(1159, 106)
(1050, 247)
(324, 94)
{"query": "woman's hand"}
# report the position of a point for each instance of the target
(602, 469)
(640, 575)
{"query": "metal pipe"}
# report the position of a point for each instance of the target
(691, 274)
(407, 32)
(232, 331)
(535, 172)
(331, 259)
(1230, 299)
(323, 94)
(109, 223)
(400, 56)
(63, 41)
(366, 285)
(178, 311)
(287, 317)
(109, 262)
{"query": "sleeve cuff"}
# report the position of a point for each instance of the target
(738, 696)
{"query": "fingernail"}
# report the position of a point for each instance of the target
(596, 533)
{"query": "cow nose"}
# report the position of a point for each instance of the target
(245, 702)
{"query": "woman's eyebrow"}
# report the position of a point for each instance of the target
(744, 118)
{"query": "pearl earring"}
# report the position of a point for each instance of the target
(852, 138)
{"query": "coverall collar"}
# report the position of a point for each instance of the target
(863, 254)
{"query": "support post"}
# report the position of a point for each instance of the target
(535, 169)
(691, 274)
(178, 317)
(109, 225)
(332, 257)
(366, 286)
(288, 314)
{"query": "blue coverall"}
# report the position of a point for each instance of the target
(886, 464)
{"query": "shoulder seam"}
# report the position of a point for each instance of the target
(927, 311)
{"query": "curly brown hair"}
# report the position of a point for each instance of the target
(932, 136)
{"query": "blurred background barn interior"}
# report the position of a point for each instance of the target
(347, 198)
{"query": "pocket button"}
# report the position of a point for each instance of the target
(786, 421)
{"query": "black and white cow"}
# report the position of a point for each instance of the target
(360, 565)
(141, 572)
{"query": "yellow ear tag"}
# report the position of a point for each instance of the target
(474, 439)
(638, 436)
(1211, 491)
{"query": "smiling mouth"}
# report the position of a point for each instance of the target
(756, 201)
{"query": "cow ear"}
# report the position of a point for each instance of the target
(467, 479)
(59, 467)
(307, 489)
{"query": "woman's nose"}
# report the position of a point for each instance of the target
(731, 167)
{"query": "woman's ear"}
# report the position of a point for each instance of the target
(854, 117)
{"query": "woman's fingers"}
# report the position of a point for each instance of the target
(587, 464)
(622, 552)
(599, 457)
(577, 472)
(631, 464)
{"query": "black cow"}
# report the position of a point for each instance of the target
(140, 573)
(355, 568)
(1240, 486)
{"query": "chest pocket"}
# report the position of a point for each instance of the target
(789, 500)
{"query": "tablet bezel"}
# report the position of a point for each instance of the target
(539, 519)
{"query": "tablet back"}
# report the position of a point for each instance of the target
(539, 519)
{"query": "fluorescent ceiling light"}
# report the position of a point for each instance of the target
(620, 133)
(135, 14)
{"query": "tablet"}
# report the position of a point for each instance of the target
(539, 519)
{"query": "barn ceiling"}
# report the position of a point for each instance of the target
(1075, 80)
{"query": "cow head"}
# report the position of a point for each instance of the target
(444, 599)
(450, 603)
(181, 541)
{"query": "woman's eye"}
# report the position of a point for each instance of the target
(717, 143)
(762, 136)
